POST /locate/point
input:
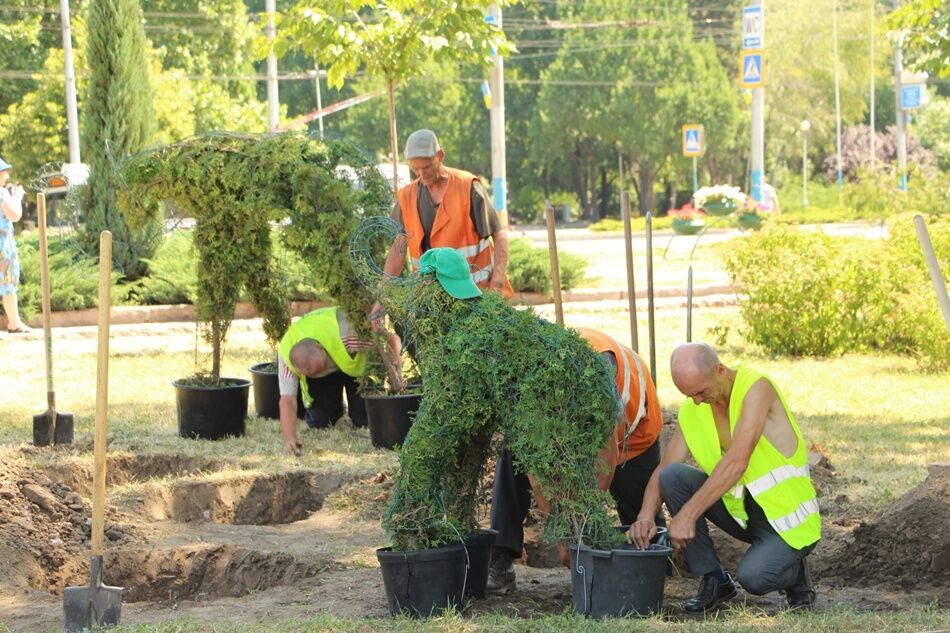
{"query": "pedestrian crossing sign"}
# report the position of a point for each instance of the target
(692, 140)
(752, 68)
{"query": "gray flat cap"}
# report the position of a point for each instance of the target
(422, 144)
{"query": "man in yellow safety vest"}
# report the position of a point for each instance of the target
(753, 484)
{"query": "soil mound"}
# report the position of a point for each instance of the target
(908, 544)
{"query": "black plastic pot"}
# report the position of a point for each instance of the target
(267, 392)
(390, 417)
(618, 582)
(212, 413)
(479, 545)
(423, 583)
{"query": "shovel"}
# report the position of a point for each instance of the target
(97, 605)
(51, 426)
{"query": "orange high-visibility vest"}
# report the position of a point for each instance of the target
(642, 418)
(452, 227)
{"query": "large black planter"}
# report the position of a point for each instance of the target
(212, 413)
(618, 582)
(423, 583)
(390, 417)
(479, 546)
(267, 392)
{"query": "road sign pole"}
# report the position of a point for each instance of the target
(499, 181)
(695, 176)
(752, 74)
(834, 28)
(901, 141)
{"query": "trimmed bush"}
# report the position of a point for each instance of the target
(807, 294)
(529, 268)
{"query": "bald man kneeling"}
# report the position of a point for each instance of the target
(754, 483)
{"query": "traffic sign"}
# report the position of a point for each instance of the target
(912, 96)
(752, 69)
(753, 27)
(692, 140)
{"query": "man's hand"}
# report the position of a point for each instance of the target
(682, 530)
(377, 317)
(292, 446)
(642, 532)
(497, 280)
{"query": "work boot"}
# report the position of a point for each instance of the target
(501, 573)
(802, 594)
(713, 591)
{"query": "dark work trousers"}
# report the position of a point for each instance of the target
(327, 394)
(770, 564)
(511, 495)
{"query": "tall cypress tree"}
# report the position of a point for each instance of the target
(118, 120)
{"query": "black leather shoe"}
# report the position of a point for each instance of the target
(712, 593)
(802, 594)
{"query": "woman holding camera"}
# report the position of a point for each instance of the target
(11, 205)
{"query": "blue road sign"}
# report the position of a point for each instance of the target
(912, 96)
(752, 69)
(753, 27)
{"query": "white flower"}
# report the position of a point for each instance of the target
(718, 193)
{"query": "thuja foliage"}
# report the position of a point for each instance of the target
(237, 187)
(488, 367)
(117, 119)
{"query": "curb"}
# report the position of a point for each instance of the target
(185, 313)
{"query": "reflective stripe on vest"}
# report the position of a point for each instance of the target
(323, 327)
(780, 485)
(451, 228)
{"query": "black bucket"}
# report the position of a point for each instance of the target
(423, 583)
(479, 547)
(390, 417)
(212, 413)
(618, 582)
(267, 392)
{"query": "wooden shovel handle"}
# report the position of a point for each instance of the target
(555, 268)
(44, 285)
(102, 394)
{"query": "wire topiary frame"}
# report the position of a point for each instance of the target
(488, 367)
(239, 187)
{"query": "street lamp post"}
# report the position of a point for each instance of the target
(805, 126)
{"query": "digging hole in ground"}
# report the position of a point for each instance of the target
(197, 573)
(262, 500)
(123, 469)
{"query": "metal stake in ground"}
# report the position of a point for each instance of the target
(935, 276)
(631, 290)
(50, 426)
(650, 308)
(97, 605)
(555, 270)
(689, 305)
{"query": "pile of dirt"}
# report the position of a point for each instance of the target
(45, 528)
(906, 545)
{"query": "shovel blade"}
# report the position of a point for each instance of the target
(43, 429)
(64, 428)
(46, 431)
(87, 607)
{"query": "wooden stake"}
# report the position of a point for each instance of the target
(631, 289)
(102, 394)
(555, 270)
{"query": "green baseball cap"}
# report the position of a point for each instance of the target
(452, 271)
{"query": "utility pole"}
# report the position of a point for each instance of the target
(901, 141)
(834, 27)
(316, 67)
(499, 180)
(72, 117)
(873, 152)
(757, 154)
(273, 105)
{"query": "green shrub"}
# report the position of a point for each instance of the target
(807, 294)
(606, 225)
(875, 194)
(529, 268)
(527, 205)
(171, 276)
(74, 278)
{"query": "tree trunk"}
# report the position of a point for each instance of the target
(645, 189)
(604, 193)
(393, 139)
(216, 344)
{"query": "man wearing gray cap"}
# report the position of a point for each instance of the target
(446, 207)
